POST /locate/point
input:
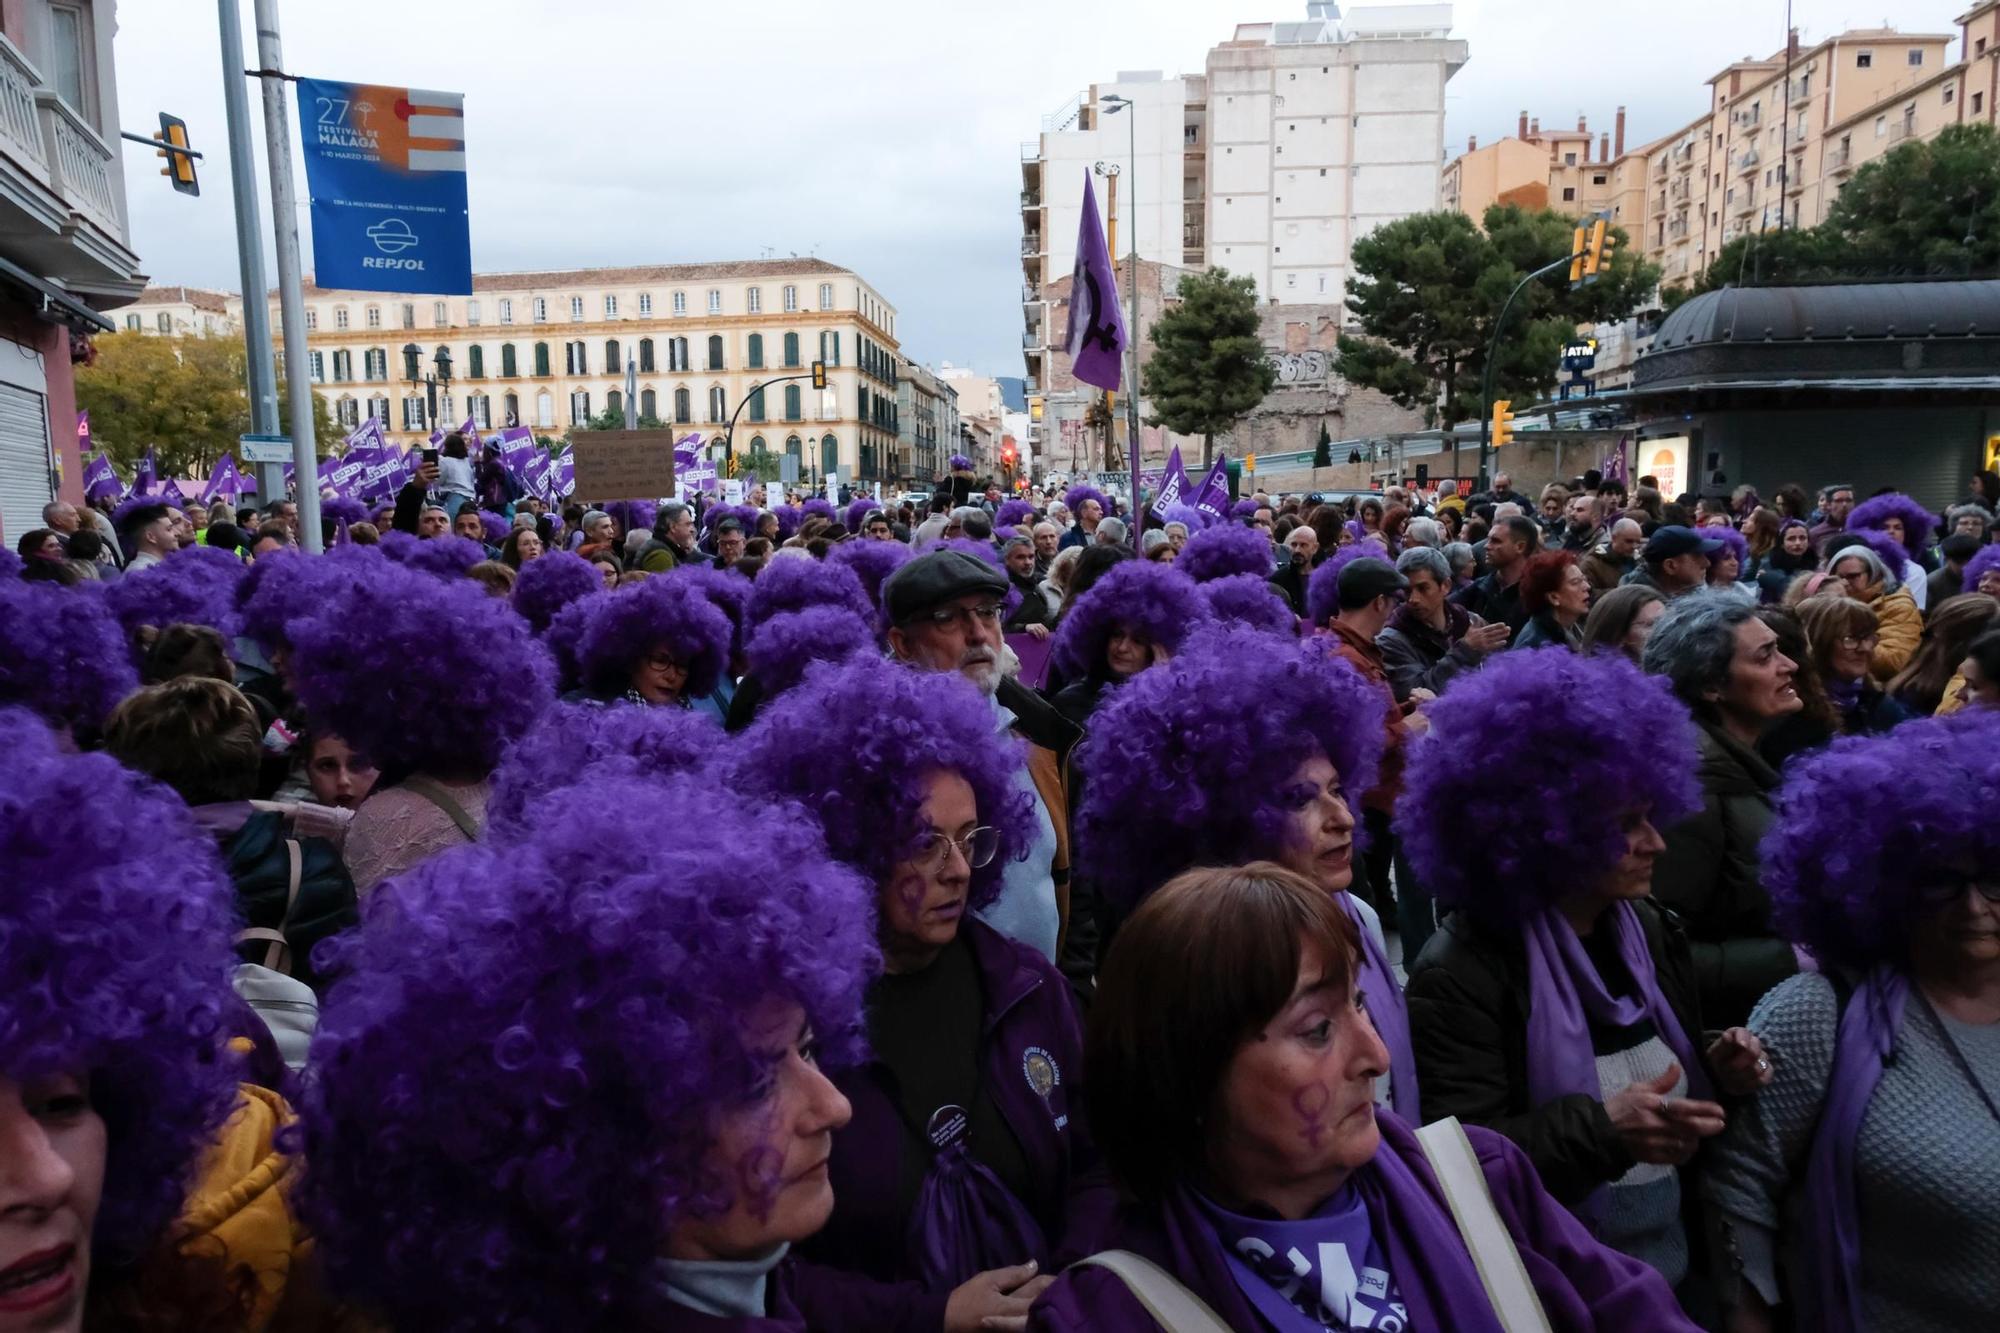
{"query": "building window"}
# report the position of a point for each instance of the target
(472, 312)
(714, 303)
(506, 310)
(1950, 94)
(132, 322)
(677, 354)
(1569, 193)
(1597, 180)
(409, 314)
(680, 303)
(826, 296)
(481, 408)
(755, 302)
(1569, 159)
(508, 367)
(1978, 101)
(574, 360)
(475, 363)
(829, 455)
(610, 306)
(343, 366)
(164, 322)
(791, 298)
(612, 362)
(347, 413)
(312, 319)
(683, 405)
(440, 315)
(792, 445)
(375, 364)
(791, 351)
(579, 407)
(1864, 59)
(317, 364)
(829, 347)
(792, 410)
(541, 361)
(575, 308)
(1916, 56)
(378, 408)
(545, 409)
(373, 318)
(646, 356)
(715, 351)
(540, 310)
(70, 41)
(718, 404)
(510, 407)
(1881, 126)
(645, 303)
(757, 403)
(614, 403)
(413, 413)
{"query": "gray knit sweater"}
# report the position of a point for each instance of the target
(1927, 1157)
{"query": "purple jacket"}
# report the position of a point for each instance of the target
(1030, 1036)
(1583, 1285)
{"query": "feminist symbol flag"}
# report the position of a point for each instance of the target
(1096, 339)
(1173, 484)
(100, 478)
(1213, 496)
(226, 480)
(148, 473)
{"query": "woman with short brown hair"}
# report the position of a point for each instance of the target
(1841, 635)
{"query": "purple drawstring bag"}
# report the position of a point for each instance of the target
(965, 1220)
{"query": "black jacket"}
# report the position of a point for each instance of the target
(1710, 875)
(1485, 598)
(259, 865)
(1876, 713)
(1468, 998)
(409, 506)
(1291, 580)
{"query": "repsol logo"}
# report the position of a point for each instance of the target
(377, 261)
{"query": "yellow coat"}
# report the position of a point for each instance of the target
(1900, 628)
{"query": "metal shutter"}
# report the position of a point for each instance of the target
(26, 484)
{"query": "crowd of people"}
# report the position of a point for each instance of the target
(1432, 910)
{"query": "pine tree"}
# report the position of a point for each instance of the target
(1208, 367)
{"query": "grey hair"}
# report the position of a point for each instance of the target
(1876, 569)
(1507, 509)
(1624, 523)
(1422, 532)
(1154, 539)
(1017, 540)
(1169, 528)
(975, 522)
(1110, 531)
(1968, 510)
(1694, 642)
(1428, 559)
(590, 516)
(1460, 553)
(663, 522)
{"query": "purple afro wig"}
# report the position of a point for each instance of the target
(586, 743)
(659, 614)
(1919, 523)
(1244, 510)
(857, 740)
(196, 586)
(1226, 549)
(632, 515)
(789, 518)
(793, 585)
(588, 1071)
(336, 509)
(1012, 514)
(1733, 542)
(564, 633)
(818, 507)
(960, 463)
(860, 507)
(872, 563)
(1323, 588)
(418, 673)
(114, 964)
(1074, 497)
(446, 557)
(1145, 597)
(495, 527)
(1189, 763)
(1867, 825)
(1987, 557)
(1251, 602)
(729, 592)
(545, 586)
(62, 654)
(1504, 849)
(744, 514)
(288, 584)
(1891, 551)
(10, 564)
(1194, 520)
(783, 647)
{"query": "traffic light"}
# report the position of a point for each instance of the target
(819, 374)
(1503, 422)
(173, 137)
(1598, 256)
(1579, 243)
(1007, 457)
(1250, 463)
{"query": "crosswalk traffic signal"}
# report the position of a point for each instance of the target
(1503, 422)
(179, 166)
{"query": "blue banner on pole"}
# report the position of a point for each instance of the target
(386, 171)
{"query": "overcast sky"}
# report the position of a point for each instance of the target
(882, 136)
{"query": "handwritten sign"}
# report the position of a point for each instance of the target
(624, 464)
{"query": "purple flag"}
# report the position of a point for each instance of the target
(1096, 338)
(1212, 497)
(368, 435)
(172, 495)
(470, 430)
(148, 473)
(517, 450)
(100, 478)
(1174, 484)
(563, 480)
(225, 480)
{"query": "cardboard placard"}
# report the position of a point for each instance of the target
(624, 464)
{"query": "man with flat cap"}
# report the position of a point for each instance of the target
(1674, 562)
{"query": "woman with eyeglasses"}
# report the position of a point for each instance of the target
(1841, 636)
(1131, 619)
(1857, 1188)
(1900, 628)
(966, 1166)
(660, 643)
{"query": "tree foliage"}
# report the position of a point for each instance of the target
(1323, 451)
(1927, 208)
(613, 418)
(1428, 289)
(1207, 367)
(183, 394)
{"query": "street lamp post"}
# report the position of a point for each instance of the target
(1113, 104)
(441, 376)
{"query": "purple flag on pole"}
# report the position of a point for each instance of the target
(1174, 484)
(1212, 497)
(172, 494)
(563, 480)
(148, 473)
(100, 478)
(470, 430)
(223, 481)
(1096, 338)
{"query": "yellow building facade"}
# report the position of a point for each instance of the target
(549, 350)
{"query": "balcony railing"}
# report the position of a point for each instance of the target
(1030, 201)
(1032, 340)
(82, 164)
(1901, 130)
(1839, 159)
(20, 123)
(1747, 160)
(1801, 91)
(1031, 151)
(1031, 245)
(1030, 294)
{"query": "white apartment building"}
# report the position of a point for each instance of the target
(1298, 138)
(169, 311)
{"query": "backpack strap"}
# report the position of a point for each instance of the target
(278, 953)
(1494, 1254)
(1172, 1306)
(435, 793)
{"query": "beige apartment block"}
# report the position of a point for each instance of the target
(549, 350)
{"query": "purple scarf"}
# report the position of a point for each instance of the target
(1390, 1014)
(1565, 995)
(1323, 1271)
(1868, 1030)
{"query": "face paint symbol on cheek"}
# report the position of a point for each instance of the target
(1310, 1102)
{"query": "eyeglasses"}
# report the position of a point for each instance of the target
(979, 847)
(946, 616)
(1862, 645)
(662, 662)
(1948, 890)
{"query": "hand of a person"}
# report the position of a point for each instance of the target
(1420, 695)
(1658, 1128)
(996, 1299)
(1038, 631)
(1738, 1062)
(1488, 637)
